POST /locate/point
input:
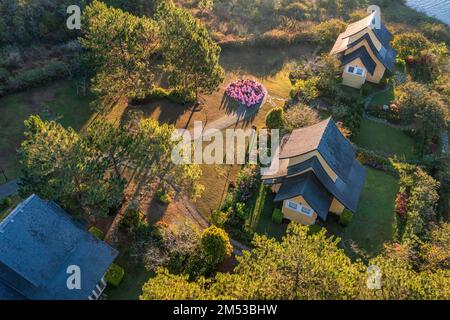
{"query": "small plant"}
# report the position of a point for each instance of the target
(401, 203)
(277, 216)
(114, 275)
(131, 221)
(163, 196)
(6, 203)
(346, 217)
(97, 232)
(241, 210)
(275, 118)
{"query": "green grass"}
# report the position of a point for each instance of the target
(261, 219)
(379, 137)
(131, 286)
(57, 101)
(372, 224)
(383, 97)
(15, 201)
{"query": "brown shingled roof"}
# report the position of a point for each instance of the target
(304, 140)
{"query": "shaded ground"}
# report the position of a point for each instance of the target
(261, 220)
(372, 224)
(57, 101)
(379, 137)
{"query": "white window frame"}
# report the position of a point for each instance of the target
(355, 70)
(299, 208)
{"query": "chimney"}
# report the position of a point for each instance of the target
(376, 11)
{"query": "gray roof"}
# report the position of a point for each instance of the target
(38, 242)
(386, 55)
(310, 188)
(326, 138)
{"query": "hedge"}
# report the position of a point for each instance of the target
(97, 232)
(277, 216)
(114, 275)
(346, 217)
(34, 77)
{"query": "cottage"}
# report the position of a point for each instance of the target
(317, 173)
(40, 246)
(364, 50)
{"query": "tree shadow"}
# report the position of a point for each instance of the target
(262, 62)
(243, 114)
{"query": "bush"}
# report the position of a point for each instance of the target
(346, 217)
(114, 275)
(329, 31)
(34, 77)
(277, 216)
(97, 232)
(163, 196)
(216, 245)
(131, 221)
(275, 118)
(6, 203)
(314, 228)
(306, 89)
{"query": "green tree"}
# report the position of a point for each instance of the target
(60, 165)
(122, 49)
(216, 245)
(410, 44)
(153, 144)
(190, 55)
(316, 269)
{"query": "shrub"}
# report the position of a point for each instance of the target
(314, 228)
(329, 31)
(97, 232)
(305, 89)
(163, 196)
(131, 221)
(216, 245)
(31, 78)
(218, 218)
(241, 210)
(277, 216)
(6, 203)
(114, 275)
(300, 116)
(275, 118)
(346, 217)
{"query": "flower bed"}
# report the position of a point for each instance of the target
(248, 93)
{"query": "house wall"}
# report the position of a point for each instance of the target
(352, 80)
(380, 68)
(297, 216)
(309, 155)
(336, 207)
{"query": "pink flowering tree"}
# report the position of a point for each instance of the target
(248, 93)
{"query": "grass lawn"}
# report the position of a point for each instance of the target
(131, 286)
(261, 218)
(379, 137)
(383, 97)
(56, 101)
(372, 224)
(15, 201)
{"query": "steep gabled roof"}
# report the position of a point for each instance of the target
(386, 54)
(348, 193)
(38, 241)
(310, 189)
(363, 55)
(326, 138)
